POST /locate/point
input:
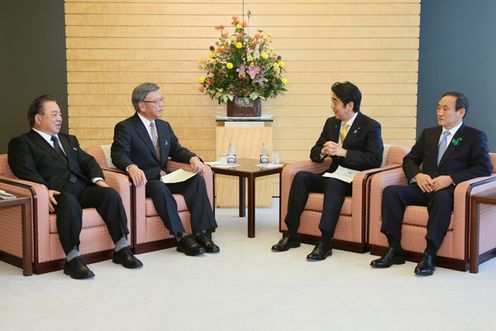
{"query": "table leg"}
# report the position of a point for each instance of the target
(27, 266)
(242, 197)
(251, 207)
(474, 238)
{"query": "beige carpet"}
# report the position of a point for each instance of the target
(247, 287)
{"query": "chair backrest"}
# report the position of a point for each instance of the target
(4, 166)
(394, 154)
(102, 155)
(493, 161)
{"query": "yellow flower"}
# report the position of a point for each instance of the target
(239, 26)
(281, 64)
(212, 54)
(265, 56)
(201, 80)
(233, 38)
(239, 45)
(229, 65)
(284, 81)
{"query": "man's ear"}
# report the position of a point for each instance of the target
(461, 111)
(350, 105)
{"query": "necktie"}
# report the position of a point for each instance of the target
(443, 145)
(56, 145)
(343, 132)
(154, 134)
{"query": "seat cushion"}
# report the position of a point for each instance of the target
(315, 202)
(90, 216)
(417, 215)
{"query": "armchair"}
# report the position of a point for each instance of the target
(48, 255)
(149, 230)
(351, 230)
(454, 251)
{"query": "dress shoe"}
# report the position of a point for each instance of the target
(205, 240)
(189, 246)
(392, 257)
(126, 258)
(287, 241)
(426, 266)
(321, 251)
(77, 269)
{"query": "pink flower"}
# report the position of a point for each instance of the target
(253, 71)
(241, 70)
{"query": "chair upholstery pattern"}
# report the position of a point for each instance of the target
(149, 229)
(48, 254)
(453, 252)
(351, 230)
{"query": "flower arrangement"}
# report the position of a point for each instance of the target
(242, 66)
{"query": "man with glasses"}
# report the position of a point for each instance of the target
(142, 146)
(74, 181)
(353, 140)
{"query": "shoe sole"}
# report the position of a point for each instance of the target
(320, 258)
(79, 278)
(397, 262)
(293, 245)
(189, 254)
(424, 274)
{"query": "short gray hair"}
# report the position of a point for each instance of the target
(141, 91)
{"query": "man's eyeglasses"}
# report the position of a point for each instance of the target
(157, 102)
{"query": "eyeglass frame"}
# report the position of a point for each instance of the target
(156, 102)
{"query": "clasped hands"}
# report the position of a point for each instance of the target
(333, 149)
(428, 184)
(138, 176)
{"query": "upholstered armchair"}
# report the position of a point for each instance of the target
(454, 251)
(351, 230)
(149, 230)
(48, 255)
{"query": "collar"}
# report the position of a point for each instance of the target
(146, 122)
(452, 131)
(350, 121)
(46, 136)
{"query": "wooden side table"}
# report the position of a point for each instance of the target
(247, 169)
(24, 203)
(476, 200)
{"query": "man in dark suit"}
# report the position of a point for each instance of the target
(74, 181)
(449, 154)
(142, 146)
(353, 141)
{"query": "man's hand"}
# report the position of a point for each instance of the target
(137, 175)
(51, 200)
(101, 183)
(442, 182)
(333, 149)
(197, 164)
(425, 182)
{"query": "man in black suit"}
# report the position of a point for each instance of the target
(142, 146)
(353, 141)
(74, 181)
(449, 154)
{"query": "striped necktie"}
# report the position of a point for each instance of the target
(443, 145)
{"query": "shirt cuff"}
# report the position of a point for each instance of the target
(96, 179)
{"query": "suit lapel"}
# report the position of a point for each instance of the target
(143, 134)
(44, 145)
(452, 147)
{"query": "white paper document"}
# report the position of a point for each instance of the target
(5, 195)
(177, 176)
(342, 173)
(269, 165)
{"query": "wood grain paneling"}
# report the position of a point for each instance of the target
(113, 45)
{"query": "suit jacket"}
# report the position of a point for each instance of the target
(466, 157)
(133, 145)
(32, 158)
(363, 143)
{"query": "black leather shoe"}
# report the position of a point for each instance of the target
(426, 266)
(189, 246)
(321, 251)
(77, 269)
(126, 258)
(391, 257)
(205, 240)
(287, 241)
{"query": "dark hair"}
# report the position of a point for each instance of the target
(348, 92)
(141, 91)
(461, 100)
(36, 107)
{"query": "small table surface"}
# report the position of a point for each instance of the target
(247, 169)
(488, 197)
(23, 202)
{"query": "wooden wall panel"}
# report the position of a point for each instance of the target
(113, 45)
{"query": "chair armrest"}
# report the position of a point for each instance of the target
(121, 183)
(39, 210)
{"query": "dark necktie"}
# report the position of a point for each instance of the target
(56, 145)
